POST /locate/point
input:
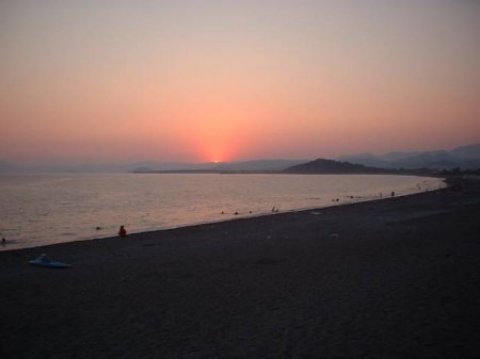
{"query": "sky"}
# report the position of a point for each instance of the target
(98, 81)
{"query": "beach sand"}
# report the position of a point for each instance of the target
(397, 278)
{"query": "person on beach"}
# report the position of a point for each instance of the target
(122, 232)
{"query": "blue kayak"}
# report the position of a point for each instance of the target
(45, 262)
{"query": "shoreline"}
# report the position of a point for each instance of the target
(393, 278)
(5, 248)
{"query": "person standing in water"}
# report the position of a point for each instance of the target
(122, 232)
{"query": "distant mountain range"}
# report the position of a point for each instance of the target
(102, 168)
(157, 167)
(264, 166)
(464, 157)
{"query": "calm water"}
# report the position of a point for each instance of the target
(45, 209)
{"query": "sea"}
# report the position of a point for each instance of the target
(43, 209)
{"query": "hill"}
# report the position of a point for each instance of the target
(324, 166)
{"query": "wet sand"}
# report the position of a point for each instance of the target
(387, 279)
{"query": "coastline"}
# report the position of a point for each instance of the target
(94, 228)
(390, 278)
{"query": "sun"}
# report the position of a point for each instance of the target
(216, 152)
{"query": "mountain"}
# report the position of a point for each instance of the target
(429, 159)
(465, 157)
(467, 152)
(323, 166)
(366, 159)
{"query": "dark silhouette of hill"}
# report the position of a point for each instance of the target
(323, 166)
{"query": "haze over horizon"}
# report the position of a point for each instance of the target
(204, 81)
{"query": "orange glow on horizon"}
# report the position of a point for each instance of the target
(214, 126)
(190, 82)
(215, 150)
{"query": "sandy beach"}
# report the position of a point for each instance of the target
(396, 278)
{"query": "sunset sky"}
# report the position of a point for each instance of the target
(118, 81)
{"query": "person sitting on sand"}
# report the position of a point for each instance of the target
(122, 232)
